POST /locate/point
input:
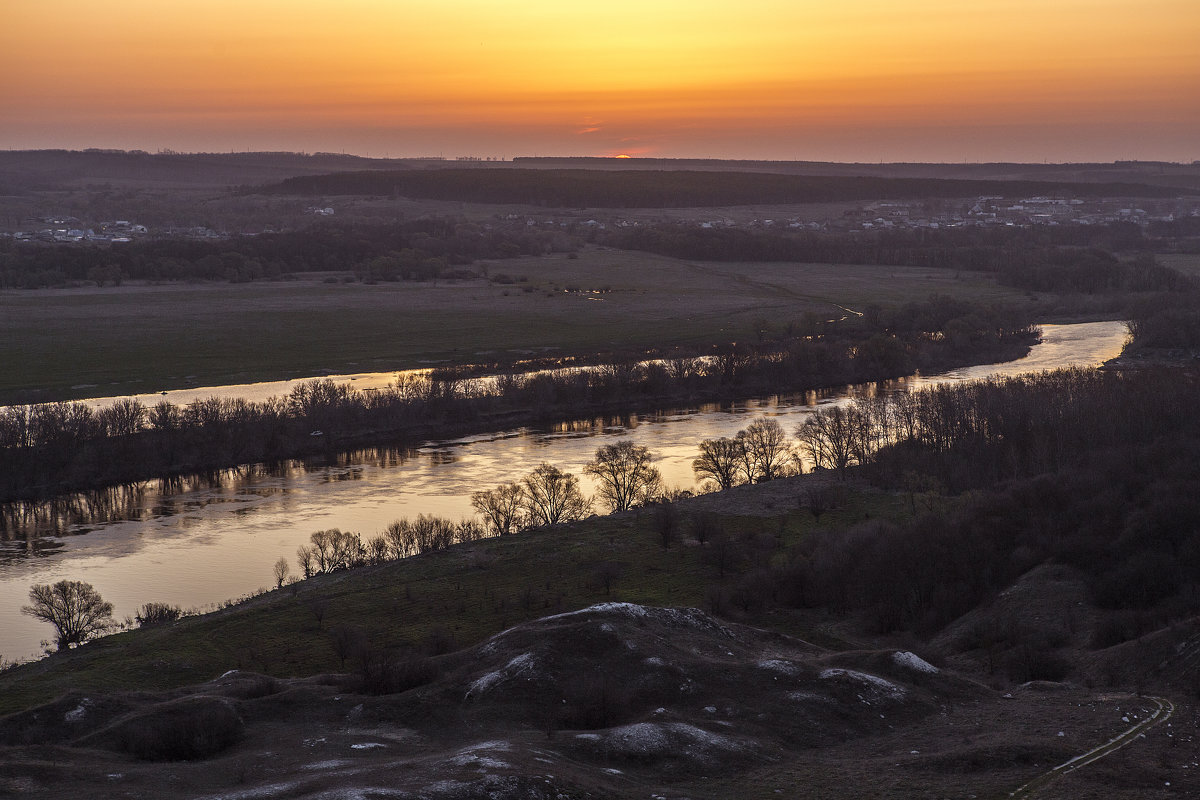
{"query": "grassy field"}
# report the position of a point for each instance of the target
(1188, 264)
(64, 344)
(463, 595)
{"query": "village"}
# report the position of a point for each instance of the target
(987, 211)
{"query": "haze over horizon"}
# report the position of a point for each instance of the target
(867, 81)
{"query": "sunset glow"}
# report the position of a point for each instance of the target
(859, 80)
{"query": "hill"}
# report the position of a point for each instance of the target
(613, 700)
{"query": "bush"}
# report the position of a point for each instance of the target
(157, 614)
(386, 673)
(185, 729)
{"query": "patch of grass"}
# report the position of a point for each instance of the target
(468, 593)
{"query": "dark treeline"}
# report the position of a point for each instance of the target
(582, 188)
(419, 249)
(981, 433)
(52, 448)
(1097, 472)
(1170, 322)
(1076, 258)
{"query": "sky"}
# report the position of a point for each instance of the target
(840, 80)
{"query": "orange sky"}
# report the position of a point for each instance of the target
(927, 80)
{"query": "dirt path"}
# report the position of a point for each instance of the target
(1164, 711)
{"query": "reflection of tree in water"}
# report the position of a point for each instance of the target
(387, 456)
(593, 425)
(34, 529)
(64, 515)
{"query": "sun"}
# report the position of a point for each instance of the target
(623, 155)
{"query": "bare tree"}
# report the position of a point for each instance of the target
(307, 560)
(553, 496)
(401, 539)
(606, 573)
(721, 461)
(347, 641)
(502, 507)
(377, 549)
(335, 549)
(281, 571)
(830, 437)
(666, 523)
(625, 475)
(767, 450)
(123, 418)
(74, 608)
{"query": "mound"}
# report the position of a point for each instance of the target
(577, 704)
(188, 728)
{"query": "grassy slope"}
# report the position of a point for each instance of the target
(468, 592)
(138, 339)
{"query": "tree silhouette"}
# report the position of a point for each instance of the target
(502, 507)
(766, 450)
(721, 461)
(625, 475)
(74, 608)
(553, 496)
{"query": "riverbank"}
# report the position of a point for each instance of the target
(197, 542)
(56, 449)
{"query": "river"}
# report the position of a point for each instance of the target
(201, 541)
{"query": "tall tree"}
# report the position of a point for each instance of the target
(553, 496)
(830, 437)
(625, 475)
(502, 507)
(766, 450)
(721, 461)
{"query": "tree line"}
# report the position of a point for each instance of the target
(584, 188)
(1065, 259)
(985, 432)
(51, 448)
(419, 249)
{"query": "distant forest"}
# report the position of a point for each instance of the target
(422, 249)
(581, 188)
(1047, 259)
(1064, 259)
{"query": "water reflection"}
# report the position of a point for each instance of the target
(198, 539)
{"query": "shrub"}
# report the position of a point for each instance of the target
(157, 614)
(185, 729)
